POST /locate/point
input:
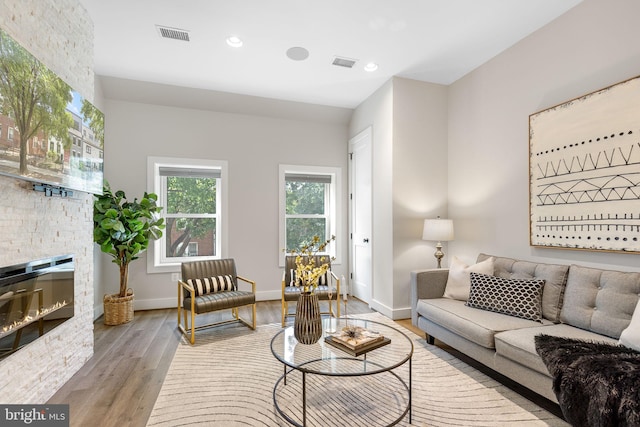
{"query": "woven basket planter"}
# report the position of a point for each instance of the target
(118, 310)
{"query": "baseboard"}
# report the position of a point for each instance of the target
(393, 314)
(98, 310)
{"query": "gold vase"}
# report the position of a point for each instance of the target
(307, 326)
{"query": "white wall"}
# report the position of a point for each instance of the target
(419, 179)
(253, 145)
(408, 119)
(592, 46)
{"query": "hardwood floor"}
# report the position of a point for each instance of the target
(119, 385)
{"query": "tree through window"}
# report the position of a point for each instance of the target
(190, 215)
(309, 205)
(307, 200)
(191, 193)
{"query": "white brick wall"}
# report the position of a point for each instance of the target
(60, 34)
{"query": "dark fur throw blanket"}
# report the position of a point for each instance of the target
(597, 384)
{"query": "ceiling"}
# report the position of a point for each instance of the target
(437, 41)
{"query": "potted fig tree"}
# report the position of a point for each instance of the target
(124, 229)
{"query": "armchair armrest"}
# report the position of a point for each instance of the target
(334, 277)
(184, 285)
(284, 279)
(426, 284)
(252, 282)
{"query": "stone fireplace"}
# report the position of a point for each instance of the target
(34, 227)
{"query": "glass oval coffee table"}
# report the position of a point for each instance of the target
(324, 385)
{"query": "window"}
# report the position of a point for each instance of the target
(191, 192)
(309, 201)
(88, 149)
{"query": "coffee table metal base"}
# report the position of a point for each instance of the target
(362, 396)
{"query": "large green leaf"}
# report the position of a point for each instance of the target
(124, 229)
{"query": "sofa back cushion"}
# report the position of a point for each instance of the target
(600, 301)
(554, 276)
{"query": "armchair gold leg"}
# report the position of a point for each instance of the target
(254, 316)
(179, 303)
(193, 321)
(285, 309)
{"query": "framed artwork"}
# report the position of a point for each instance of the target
(49, 134)
(584, 171)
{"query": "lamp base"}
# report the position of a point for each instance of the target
(439, 254)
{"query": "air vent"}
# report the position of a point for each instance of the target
(173, 33)
(344, 62)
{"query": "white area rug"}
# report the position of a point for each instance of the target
(227, 379)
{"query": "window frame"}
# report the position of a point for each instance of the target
(155, 261)
(333, 199)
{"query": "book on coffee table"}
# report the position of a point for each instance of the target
(356, 340)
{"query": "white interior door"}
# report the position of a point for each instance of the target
(360, 194)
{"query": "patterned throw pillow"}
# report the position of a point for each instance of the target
(515, 297)
(210, 285)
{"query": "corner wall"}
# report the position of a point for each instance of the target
(408, 120)
(419, 179)
(60, 34)
(592, 46)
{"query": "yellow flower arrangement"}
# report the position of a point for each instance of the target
(307, 272)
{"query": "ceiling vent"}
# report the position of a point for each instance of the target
(173, 33)
(344, 62)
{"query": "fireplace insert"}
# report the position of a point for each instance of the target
(35, 297)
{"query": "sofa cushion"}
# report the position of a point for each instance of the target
(459, 281)
(630, 337)
(478, 326)
(554, 276)
(515, 297)
(519, 345)
(601, 301)
(210, 285)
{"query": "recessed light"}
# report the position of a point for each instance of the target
(297, 53)
(234, 41)
(371, 67)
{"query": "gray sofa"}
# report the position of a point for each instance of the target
(577, 302)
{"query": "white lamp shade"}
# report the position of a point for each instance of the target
(438, 230)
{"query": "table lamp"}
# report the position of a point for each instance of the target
(438, 230)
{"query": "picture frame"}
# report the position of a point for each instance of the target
(49, 134)
(584, 171)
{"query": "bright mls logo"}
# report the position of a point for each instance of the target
(34, 415)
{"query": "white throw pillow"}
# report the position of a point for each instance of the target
(630, 337)
(459, 282)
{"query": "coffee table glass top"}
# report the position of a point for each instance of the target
(324, 359)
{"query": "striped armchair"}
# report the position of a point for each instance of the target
(327, 290)
(208, 286)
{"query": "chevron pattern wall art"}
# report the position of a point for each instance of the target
(584, 171)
